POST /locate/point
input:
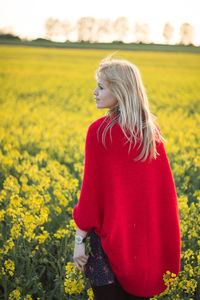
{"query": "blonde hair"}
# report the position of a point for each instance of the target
(133, 115)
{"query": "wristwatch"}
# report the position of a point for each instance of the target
(79, 239)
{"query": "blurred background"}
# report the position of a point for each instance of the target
(144, 21)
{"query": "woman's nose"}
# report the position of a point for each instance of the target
(94, 92)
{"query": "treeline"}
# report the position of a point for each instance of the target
(90, 29)
(9, 36)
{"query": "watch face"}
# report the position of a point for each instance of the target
(79, 239)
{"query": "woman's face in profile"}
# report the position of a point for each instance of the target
(103, 95)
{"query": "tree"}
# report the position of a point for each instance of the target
(141, 32)
(7, 30)
(120, 27)
(55, 28)
(168, 32)
(66, 28)
(9, 36)
(103, 29)
(52, 27)
(186, 33)
(86, 27)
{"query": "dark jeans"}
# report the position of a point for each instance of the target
(113, 291)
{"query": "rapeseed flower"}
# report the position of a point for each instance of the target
(15, 295)
(9, 267)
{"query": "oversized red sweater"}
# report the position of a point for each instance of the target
(132, 206)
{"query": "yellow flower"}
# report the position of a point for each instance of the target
(90, 294)
(28, 297)
(15, 231)
(70, 210)
(9, 267)
(42, 237)
(3, 271)
(72, 224)
(73, 284)
(8, 245)
(11, 184)
(2, 213)
(15, 295)
(61, 233)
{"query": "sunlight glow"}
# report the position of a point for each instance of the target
(26, 18)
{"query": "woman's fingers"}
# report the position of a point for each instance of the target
(80, 262)
(82, 258)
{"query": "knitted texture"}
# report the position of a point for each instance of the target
(133, 207)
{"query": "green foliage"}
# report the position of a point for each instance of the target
(9, 37)
(46, 105)
(115, 45)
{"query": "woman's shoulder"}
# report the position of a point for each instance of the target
(95, 124)
(93, 128)
(101, 121)
(99, 124)
(97, 127)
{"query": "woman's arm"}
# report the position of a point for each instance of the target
(80, 258)
(81, 232)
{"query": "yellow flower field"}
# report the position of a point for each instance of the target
(46, 105)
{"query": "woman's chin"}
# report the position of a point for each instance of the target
(99, 106)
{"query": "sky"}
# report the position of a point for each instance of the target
(26, 18)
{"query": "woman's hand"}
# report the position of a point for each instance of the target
(80, 258)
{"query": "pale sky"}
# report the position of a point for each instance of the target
(26, 18)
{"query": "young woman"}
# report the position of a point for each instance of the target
(128, 203)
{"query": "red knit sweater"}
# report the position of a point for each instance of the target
(132, 206)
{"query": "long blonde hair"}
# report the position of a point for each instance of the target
(132, 110)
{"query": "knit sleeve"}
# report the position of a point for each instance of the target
(87, 213)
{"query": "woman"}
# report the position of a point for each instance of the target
(128, 203)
